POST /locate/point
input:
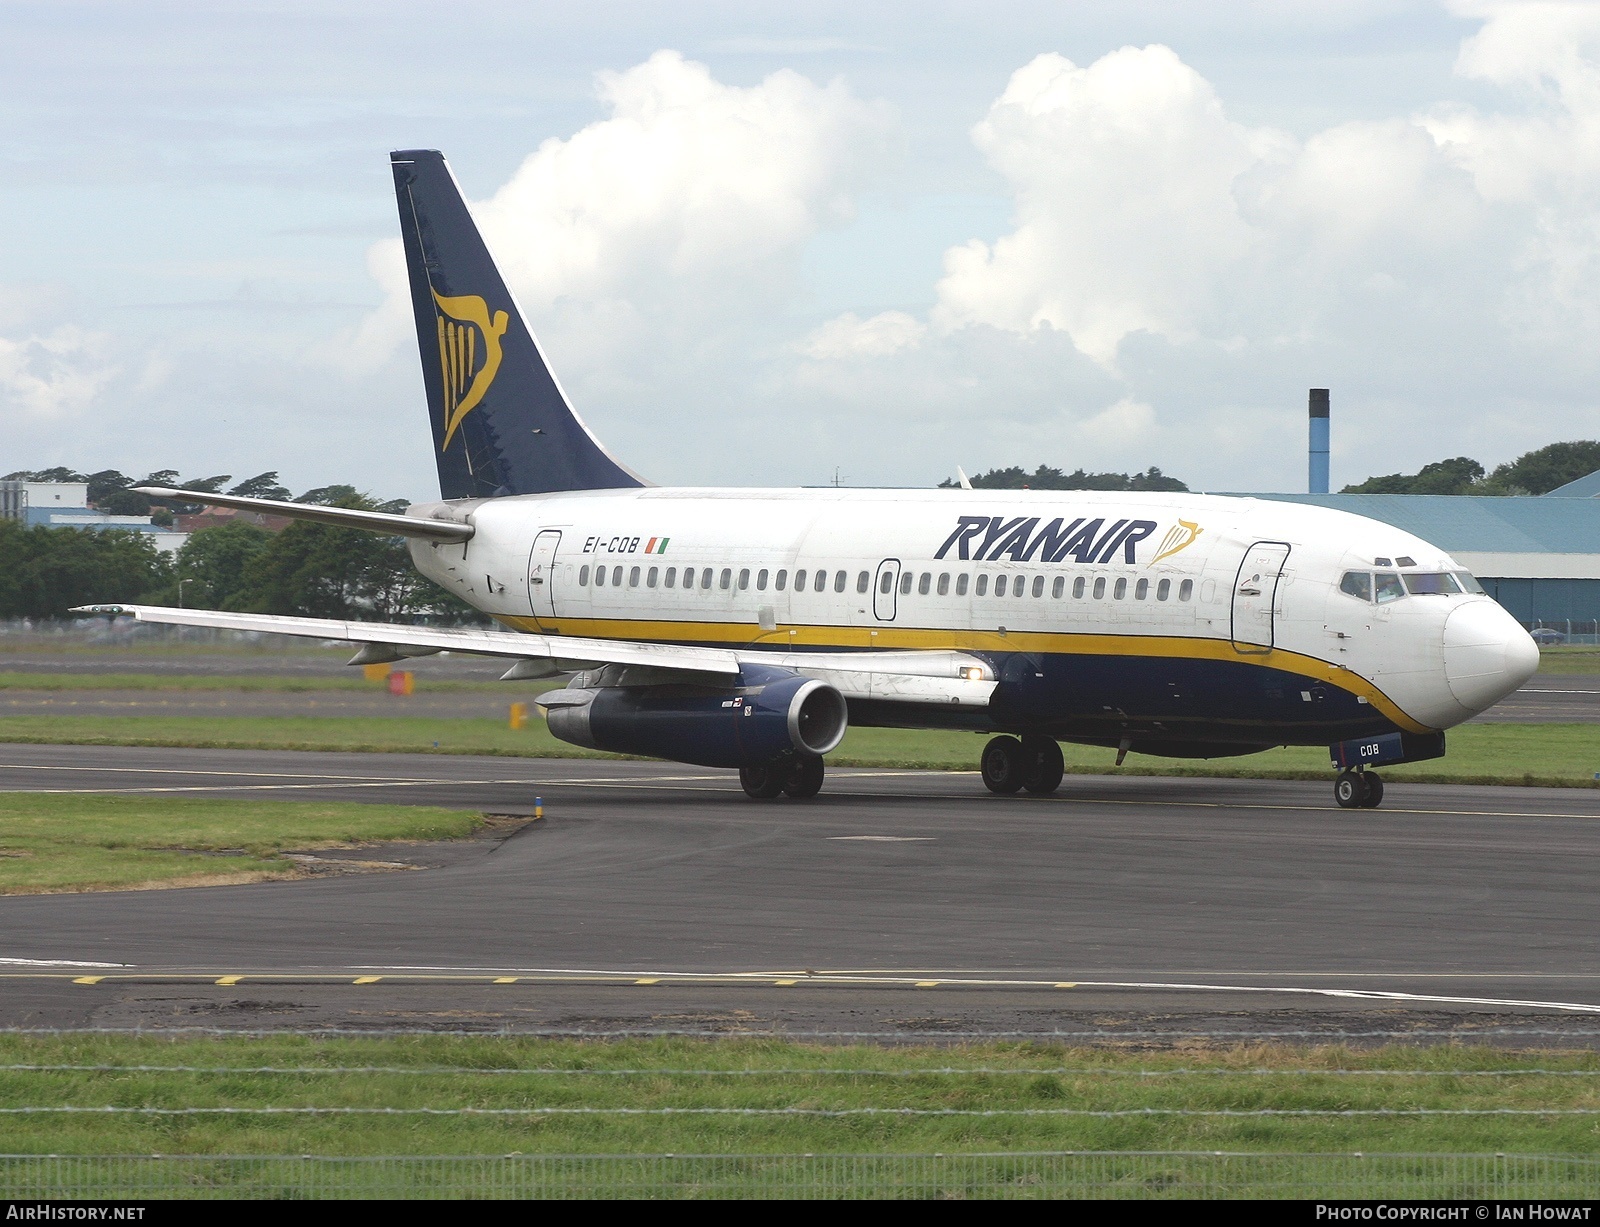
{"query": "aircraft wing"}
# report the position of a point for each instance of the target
(895, 677)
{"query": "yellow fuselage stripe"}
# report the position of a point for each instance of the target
(744, 635)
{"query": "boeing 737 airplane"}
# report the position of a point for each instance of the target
(749, 628)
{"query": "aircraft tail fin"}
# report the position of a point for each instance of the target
(501, 423)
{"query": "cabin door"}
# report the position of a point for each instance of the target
(542, 574)
(1255, 595)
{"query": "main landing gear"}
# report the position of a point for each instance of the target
(1010, 765)
(1358, 790)
(798, 775)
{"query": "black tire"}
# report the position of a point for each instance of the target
(802, 776)
(1002, 765)
(1042, 767)
(762, 782)
(1350, 790)
(1374, 797)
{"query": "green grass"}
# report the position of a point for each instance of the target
(1556, 755)
(284, 685)
(98, 841)
(464, 1072)
(1569, 660)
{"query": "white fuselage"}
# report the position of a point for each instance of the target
(1130, 581)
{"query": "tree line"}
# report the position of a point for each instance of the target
(1536, 472)
(1047, 478)
(310, 570)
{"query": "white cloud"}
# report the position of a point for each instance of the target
(54, 374)
(850, 336)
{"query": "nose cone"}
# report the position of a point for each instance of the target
(1486, 654)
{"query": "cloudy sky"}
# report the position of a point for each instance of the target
(763, 244)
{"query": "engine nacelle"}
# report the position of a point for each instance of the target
(768, 712)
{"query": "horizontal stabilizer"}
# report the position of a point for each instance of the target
(344, 517)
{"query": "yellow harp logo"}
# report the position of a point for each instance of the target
(1179, 537)
(467, 374)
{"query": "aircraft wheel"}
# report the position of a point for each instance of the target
(762, 782)
(1042, 765)
(802, 776)
(1374, 797)
(1350, 790)
(1002, 765)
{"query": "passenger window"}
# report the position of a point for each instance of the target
(727, 578)
(1038, 585)
(944, 583)
(821, 582)
(1019, 585)
(781, 581)
(744, 578)
(1186, 590)
(886, 582)
(863, 581)
(672, 576)
(761, 580)
(1077, 588)
(999, 585)
(1122, 589)
(1058, 587)
(1141, 590)
(1431, 583)
(905, 583)
(650, 579)
(583, 576)
(983, 585)
(925, 584)
(1357, 584)
(1163, 590)
(633, 578)
(705, 578)
(1099, 587)
(1388, 587)
(839, 580)
(800, 581)
(961, 585)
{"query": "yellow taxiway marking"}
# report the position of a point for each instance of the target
(647, 981)
(927, 984)
(87, 979)
(784, 983)
(1067, 984)
(366, 979)
(505, 979)
(229, 981)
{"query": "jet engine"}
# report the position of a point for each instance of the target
(763, 715)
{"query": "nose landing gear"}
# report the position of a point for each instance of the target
(1358, 790)
(1010, 765)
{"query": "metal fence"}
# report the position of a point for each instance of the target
(1076, 1174)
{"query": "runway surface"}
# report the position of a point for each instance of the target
(898, 903)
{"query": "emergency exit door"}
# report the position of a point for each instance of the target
(542, 574)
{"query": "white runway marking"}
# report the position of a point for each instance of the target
(884, 839)
(56, 963)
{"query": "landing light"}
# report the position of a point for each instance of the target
(970, 673)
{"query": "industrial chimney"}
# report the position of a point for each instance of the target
(1319, 441)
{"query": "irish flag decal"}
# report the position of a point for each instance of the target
(657, 545)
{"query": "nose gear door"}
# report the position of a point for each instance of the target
(885, 585)
(1255, 595)
(542, 575)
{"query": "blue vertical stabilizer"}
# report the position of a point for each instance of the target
(501, 424)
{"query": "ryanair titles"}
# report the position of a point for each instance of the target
(991, 538)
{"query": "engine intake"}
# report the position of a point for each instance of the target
(769, 713)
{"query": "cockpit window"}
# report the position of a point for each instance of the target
(1383, 562)
(1469, 583)
(1431, 583)
(1357, 584)
(1389, 587)
(1403, 561)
